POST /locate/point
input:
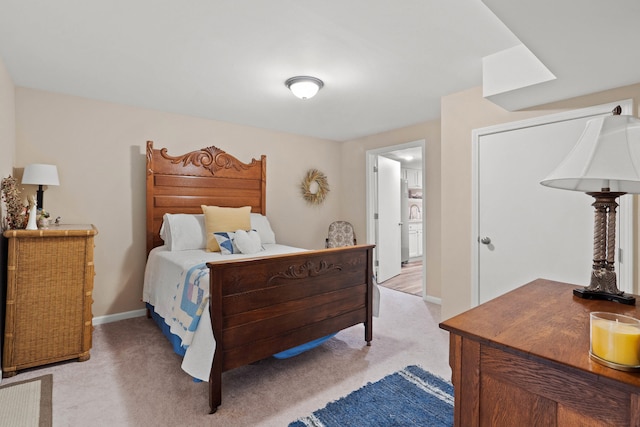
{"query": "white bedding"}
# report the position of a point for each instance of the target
(164, 271)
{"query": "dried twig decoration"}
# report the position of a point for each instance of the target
(15, 219)
(315, 187)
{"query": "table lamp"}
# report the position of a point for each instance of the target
(39, 174)
(605, 164)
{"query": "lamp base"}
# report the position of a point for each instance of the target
(621, 298)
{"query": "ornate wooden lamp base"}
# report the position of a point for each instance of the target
(603, 276)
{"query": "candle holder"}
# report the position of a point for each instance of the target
(615, 340)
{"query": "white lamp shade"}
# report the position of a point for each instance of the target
(40, 174)
(304, 87)
(607, 155)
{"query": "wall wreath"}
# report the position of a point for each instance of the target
(314, 187)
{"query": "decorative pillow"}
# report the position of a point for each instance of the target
(226, 243)
(248, 242)
(181, 232)
(261, 224)
(219, 219)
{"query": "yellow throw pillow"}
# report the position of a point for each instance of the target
(218, 219)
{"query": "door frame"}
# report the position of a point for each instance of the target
(625, 211)
(371, 198)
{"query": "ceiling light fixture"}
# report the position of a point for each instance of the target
(304, 87)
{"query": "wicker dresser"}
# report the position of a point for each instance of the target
(49, 296)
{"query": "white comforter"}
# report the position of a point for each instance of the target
(164, 271)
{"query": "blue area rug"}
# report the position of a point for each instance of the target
(410, 397)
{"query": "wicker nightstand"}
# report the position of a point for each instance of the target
(49, 295)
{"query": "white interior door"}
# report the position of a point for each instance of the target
(388, 225)
(525, 230)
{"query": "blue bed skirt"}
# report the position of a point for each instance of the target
(173, 339)
(178, 349)
(302, 348)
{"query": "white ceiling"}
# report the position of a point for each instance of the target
(385, 64)
(589, 45)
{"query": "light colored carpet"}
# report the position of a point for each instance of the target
(134, 379)
(26, 403)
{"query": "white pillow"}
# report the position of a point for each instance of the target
(248, 242)
(164, 232)
(261, 224)
(181, 232)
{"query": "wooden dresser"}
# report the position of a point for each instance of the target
(49, 296)
(522, 359)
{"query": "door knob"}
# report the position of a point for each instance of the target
(485, 240)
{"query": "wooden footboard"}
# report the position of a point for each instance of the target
(262, 306)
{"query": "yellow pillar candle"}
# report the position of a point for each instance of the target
(615, 338)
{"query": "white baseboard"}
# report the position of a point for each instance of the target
(433, 300)
(119, 316)
(143, 312)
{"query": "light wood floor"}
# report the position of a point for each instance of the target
(409, 280)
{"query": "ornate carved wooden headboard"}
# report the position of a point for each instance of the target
(210, 176)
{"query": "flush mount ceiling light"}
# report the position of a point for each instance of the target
(304, 87)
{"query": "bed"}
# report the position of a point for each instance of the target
(258, 305)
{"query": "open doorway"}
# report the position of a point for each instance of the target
(412, 277)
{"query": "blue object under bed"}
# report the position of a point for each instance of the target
(178, 349)
(173, 339)
(302, 348)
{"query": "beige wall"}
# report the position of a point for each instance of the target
(99, 149)
(354, 196)
(7, 155)
(7, 123)
(461, 113)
